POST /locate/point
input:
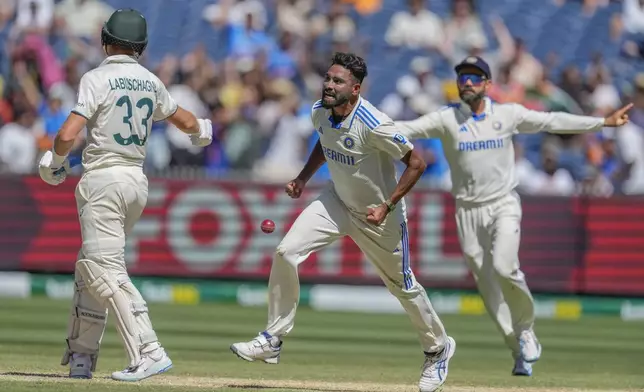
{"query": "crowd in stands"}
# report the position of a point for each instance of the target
(259, 95)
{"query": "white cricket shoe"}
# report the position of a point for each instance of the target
(80, 366)
(521, 368)
(264, 347)
(530, 346)
(435, 368)
(151, 364)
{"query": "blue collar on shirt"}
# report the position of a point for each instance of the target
(479, 117)
(349, 118)
(489, 109)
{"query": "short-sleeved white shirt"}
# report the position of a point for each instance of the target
(479, 148)
(120, 99)
(361, 152)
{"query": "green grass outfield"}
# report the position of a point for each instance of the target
(325, 352)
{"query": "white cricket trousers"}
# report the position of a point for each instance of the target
(326, 220)
(490, 235)
(109, 201)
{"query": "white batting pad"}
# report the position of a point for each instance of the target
(86, 324)
(122, 298)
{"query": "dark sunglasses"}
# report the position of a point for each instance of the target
(474, 78)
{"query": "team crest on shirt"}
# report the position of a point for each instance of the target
(496, 125)
(349, 142)
(398, 138)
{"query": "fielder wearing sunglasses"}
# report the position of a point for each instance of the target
(472, 78)
(473, 81)
(476, 135)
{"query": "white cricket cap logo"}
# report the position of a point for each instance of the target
(471, 60)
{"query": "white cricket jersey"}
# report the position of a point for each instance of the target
(479, 148)
(120, 99)
(361, 152)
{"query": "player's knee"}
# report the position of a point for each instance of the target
(98, 281)
(111, 258)
(406, 287)
(474, 261)
(287, 254)
(506, 270)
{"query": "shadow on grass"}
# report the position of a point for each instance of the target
(267, 388)
(25, 374)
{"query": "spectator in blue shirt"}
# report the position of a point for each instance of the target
(52, 112)
(437, 168)
(281, 61)
(246, 41)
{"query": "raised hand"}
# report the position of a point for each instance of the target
(619, 117)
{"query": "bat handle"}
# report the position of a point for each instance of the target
(73, 161)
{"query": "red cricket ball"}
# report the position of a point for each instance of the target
(268, 226)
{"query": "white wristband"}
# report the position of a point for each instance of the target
(57, 160)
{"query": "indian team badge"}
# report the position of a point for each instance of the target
(398, 138)
(471, 60)
(349, 142)
(496, 125)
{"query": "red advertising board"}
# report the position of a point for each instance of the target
(211, 229)
(614, 256)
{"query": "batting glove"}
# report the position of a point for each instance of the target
(53, 168)
(204, 137)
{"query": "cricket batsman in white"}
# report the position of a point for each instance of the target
(363, 201)
(117, 102)
(477, 139)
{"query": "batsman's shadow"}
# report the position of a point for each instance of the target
(268, 388)
(26, 374)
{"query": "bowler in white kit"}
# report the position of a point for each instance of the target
(117, 103)
(364, 201)
(477, 139)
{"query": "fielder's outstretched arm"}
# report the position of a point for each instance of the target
(315, 161)
(425, 127)
(530, 121)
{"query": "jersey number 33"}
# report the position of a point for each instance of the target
(142, 104)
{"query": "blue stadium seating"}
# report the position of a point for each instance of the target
(177, 26)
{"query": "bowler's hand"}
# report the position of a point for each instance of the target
(619, 117)
(377, 215)
(295, 188)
